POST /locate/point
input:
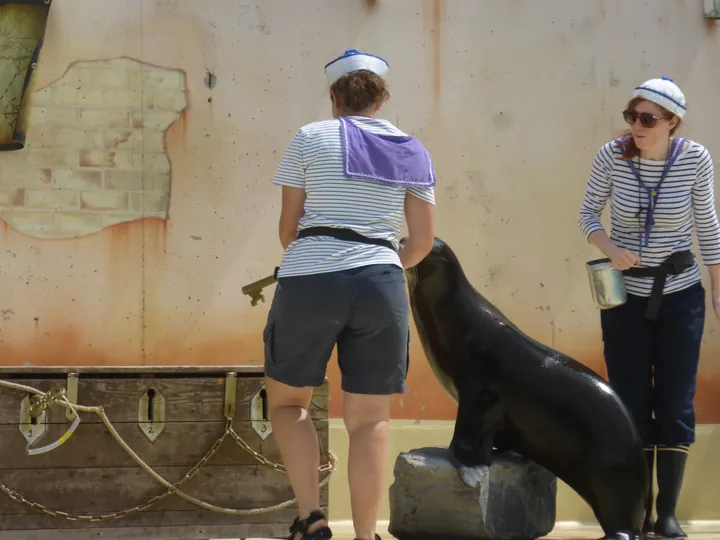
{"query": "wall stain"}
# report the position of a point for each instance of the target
(712, 26)
(69, 347)
(425, 399)
(210, 79)
(174, 335)
(262, 23)
(176, 136)
(437, 16)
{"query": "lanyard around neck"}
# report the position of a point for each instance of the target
(654, 192)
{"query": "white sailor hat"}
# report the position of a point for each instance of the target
(665, 93)
(353, 60)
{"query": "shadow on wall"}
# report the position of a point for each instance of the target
(22, 29)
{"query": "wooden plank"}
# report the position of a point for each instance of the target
(98, 491)
(180, 444)
(190, 525)
(145, 371)
(91, 473)
(187, 399)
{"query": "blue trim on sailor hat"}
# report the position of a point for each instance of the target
(353, 60)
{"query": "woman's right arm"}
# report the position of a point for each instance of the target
(597, 193)
(420, 217)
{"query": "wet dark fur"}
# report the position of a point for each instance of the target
(514, 393)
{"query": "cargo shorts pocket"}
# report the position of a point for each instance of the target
(269, 342)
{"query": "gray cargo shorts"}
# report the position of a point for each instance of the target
(363, 310)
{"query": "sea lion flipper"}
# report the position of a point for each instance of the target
(621, 535)
(471, 475)
(470, 450)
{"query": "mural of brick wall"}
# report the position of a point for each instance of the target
(96, 154)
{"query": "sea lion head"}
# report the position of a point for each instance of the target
(440, 263)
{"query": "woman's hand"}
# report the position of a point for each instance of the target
(714, 270)
(716, 306)
(622, 259)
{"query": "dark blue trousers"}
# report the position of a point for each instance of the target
(653, 365)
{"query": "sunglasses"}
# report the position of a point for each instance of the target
(646, 119)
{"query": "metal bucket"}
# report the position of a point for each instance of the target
(606, 284)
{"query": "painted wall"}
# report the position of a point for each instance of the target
(179, 111)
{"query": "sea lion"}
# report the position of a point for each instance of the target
(516, 394)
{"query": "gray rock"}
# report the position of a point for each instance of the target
(515, 499)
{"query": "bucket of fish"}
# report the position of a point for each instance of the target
(606, 284)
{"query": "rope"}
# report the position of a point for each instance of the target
(57, 397)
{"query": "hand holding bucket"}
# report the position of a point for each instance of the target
(606, 277)
(622, 259)
(607, 284)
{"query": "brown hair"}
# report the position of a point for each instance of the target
(627, 143)
(359, 90)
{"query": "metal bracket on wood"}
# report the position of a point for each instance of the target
(230, 394)
(151, 413)
(71, 395)
(712, 9)
(259, 418)
(32, 428)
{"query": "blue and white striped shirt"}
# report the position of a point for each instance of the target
(314, 161)
(685, 201)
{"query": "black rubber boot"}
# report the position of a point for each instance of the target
(670, 472)
(649, 523)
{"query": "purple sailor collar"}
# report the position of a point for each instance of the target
(394, 160)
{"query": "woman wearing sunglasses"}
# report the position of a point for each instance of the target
(660, 188)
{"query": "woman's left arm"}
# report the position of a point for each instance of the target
(706, 222)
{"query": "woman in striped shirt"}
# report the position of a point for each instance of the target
(660, 188)
(347, 184)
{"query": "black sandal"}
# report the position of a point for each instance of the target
(301, 526)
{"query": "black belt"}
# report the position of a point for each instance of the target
(344, 234)
(675, 264)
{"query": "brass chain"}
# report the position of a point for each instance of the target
(42, 401)
(265, 461)
(122, 513)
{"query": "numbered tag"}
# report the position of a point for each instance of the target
(151, 413)
(259, 418)
(31, 428)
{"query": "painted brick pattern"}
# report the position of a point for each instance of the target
(96, 152)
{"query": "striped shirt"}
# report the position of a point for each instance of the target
(314, 161)
(685, 202)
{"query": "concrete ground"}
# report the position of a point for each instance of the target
(696, 530)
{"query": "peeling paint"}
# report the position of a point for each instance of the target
(167, 291)
(97, 155)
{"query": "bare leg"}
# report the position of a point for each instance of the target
(295, 435)
(366, 419)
